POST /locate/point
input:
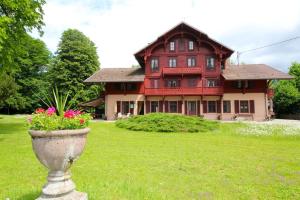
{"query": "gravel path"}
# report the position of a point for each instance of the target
(287, 122)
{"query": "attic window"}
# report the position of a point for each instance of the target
(191, 45)
(172, 46)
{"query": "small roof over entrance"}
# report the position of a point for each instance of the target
(92, 103)
(253, 72)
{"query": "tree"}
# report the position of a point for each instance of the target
(16, 19)
(30, 75)
(8, 87)
(75, 61)
(294, 70)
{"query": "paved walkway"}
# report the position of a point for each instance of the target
(286, 122)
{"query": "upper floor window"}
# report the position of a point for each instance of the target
(172, 62)
(131, 87)
(191, 61)
(154, 64)
(210, 62)
(173, 83)
(172, 46)
(154, 83)
(212, 82)
(120, 86)
(192, 82)
(181, 45)
(191, 45)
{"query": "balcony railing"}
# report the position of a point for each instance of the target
(184, 91)
(181, 70)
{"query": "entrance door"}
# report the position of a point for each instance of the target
(191, 108)
(140, 110)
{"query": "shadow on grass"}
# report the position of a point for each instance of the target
(10, 128)
(30, 196)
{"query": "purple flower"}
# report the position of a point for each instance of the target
(51, 111)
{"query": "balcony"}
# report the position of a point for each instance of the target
(184, 91)
(181, 70)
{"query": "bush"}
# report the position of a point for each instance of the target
(162, 122)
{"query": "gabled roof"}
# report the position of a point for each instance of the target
(180, 25)
(117, 75)
(253, 72)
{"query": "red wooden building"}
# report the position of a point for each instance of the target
(185, 71)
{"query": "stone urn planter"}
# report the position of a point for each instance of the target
(57, 150)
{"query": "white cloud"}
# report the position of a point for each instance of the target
(120, 28)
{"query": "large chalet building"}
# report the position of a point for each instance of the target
(185, 71)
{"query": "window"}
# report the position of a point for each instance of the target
(212, 82)
(172, 62)
(191, 61)
(181, 44)
(191, 45)
(192, 82)
(131, 87)
(173, 106)
(244, 106)
(154, 106)
(191, 108)
(210, 63)
(154, 64)
(172, 46)
(154, 83)
(239, 84)
(244, 84)
(120, 86)
(125, 107)
(226, 107)
(173, 83)
(211, 106)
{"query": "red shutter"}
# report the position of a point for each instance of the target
(185, 107)
(179, 106)
(118, 106)
(218, 106)
(236, 106)
(166, 106)
(131, 107)
(147, 106)
(152, 83)
(198, 108)
(204, 106)
(161, 104)
(252, 106)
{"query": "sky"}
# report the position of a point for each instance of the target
(119, 28)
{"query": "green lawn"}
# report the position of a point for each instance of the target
(122, 164)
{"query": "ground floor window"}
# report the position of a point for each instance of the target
(125, 107)
(226, 107)
(244, 106)
(212, 106)
(173, 106)
(191, 108)
(154, 106)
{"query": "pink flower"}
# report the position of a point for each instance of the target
(51, 111)
(77, 112)
(81, 121)
(29, 119)
(39, 110)
(69, 114)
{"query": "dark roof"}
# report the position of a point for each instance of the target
(92, 103)
(253, 72)
(117, 75)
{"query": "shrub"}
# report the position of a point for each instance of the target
(163, 122)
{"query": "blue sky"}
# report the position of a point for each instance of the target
(119, 28)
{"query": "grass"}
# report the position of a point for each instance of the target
(163, 122)
(123, 164)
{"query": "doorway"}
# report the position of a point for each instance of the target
(191, 108)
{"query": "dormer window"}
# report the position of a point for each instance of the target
(172, 62)
(210, 63)
(154, 65)
(191, 45)
(172, 46)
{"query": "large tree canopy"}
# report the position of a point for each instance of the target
(287, 92)
(75, 61)
(29, 75)
(16, 19)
